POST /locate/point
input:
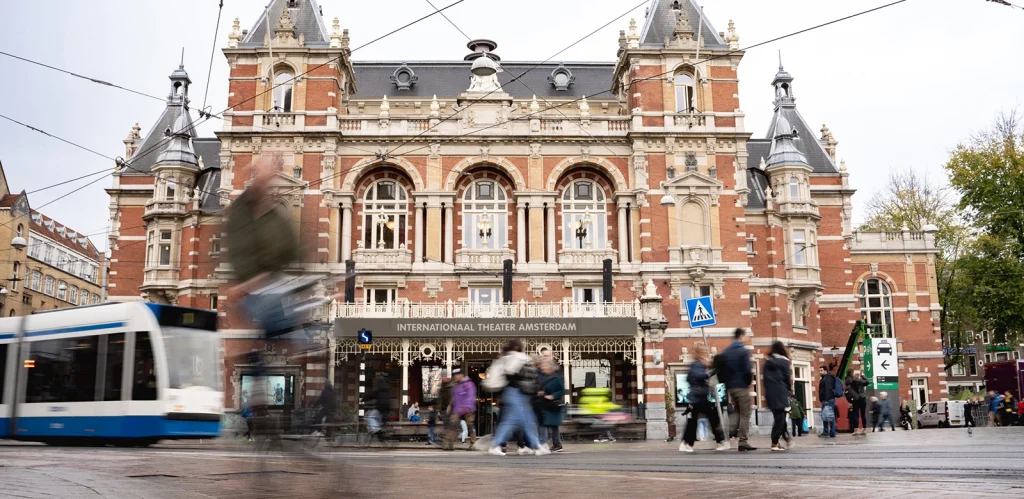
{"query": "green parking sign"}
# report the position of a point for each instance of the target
(881, 366)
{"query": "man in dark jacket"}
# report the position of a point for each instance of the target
(856, 386)
(827, 397)
(735, 362)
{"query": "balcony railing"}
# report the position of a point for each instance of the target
(157, 208)
(617, 126)
(569, 259)
(453, 310)
(383, 259)
(483, 258)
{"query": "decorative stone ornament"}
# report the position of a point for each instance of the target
(561, 78)
(633, 35)
(235, 35)
(731, 37)
(336, 34)
(404, 77)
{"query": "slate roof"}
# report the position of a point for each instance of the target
(661, 22)
(154, 143)
(449, 79)
(209, 150)
(307, 21)
(806, 140)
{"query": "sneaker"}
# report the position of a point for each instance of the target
(557, 449)
(823, 435)
(542, 451)
(746, 447)
(778, 447)
(685, 448)
(526, 451)
(723, 445)
(496, 451)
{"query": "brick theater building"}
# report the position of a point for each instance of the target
(614, 190)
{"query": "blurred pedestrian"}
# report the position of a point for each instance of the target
(247, 415)
(778, 387)
(381, 398)
(462, 409)
(698, 401)
(735, 364)
(856, 394)
(551, 394)
(827, 396)
(1020, 412)
(702, 428)
(413, 409)
(1007, 410)
(876, 413)
(513, 375)
(992, 404)
(796, 415)
(906, 417)
(969, 415)
(431, 425)
(886, 413)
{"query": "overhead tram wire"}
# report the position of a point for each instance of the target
(76, 75)
(514, 79)
(660, 75)
(213, 51)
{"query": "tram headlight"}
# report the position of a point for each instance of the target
(178, 408)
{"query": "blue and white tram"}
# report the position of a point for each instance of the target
(130, 373)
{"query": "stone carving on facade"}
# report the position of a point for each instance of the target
(651, 290)
(731, 37)
(298, 145)
(336, 34)
(712, 145)
(432, 286)
(469, 119)
(535, 150)
(585, 152)
(235, 35)
(633, 35)
(874, 270)
(257, 145)
(435, 150)
(538, 285)
(485, 151)
(435, 107)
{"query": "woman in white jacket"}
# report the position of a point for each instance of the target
(510, 374)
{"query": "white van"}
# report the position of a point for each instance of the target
(942, 414)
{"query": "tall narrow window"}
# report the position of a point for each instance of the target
(584, 216)
(799, 247)
(794, 189)
(485, 216)
(171, 189)
(684, 93)
(16, 273)
(385, 210)
(165, 247)
(876, 304)
(114, 367)
(144, 374)
(21, 230)
(73, 295)
(283, 87)
(36, 281)
(62, 290)
(48, 285)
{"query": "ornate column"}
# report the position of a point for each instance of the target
(419, 234)
(567, 363)
(552, 244)
(449, 234)
(623, 246)
(521, 234)
(449, 345)
(405, 374)
(650, 367)
(346, 231)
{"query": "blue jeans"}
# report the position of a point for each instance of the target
(431, 436)
(829, 427)
(516, 414)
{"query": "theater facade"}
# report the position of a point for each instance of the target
(572, 205)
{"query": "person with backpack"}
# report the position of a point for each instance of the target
(516, 378)
(856, 394)
(829, 388)
(733, 365)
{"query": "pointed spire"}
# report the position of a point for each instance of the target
(783, 83)
(235, 35)
(179, 87)
(633, 35)
(784, 152)
(179, 151)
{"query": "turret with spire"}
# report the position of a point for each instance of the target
(783, 84)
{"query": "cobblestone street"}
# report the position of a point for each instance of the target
(928, 463)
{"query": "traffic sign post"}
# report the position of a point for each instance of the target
(881, 364)
(700, 312)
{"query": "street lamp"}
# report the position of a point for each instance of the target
(581, 229)
(18, 243)
(484, 225)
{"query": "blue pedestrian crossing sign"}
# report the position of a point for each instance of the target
(700, 311)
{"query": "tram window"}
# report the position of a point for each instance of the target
(144, 382)
(63, 370)
(115, 367)
(3, 369)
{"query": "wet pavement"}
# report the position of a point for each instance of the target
(922, 463)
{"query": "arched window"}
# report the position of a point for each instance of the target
(73, 295)
(876, 304)
(36, 280)
(485, 216)
(62, 290)
(385, 212)
(584, 220)
(21, 230)
(84, 299)
(283, 87)
(12, 314)
(685, 93)
(48, 285)
(15, 273)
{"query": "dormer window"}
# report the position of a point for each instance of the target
(685, 93)
(404, 77)
(283, 87)
(561, 78)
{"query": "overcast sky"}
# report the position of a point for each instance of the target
(899, 88)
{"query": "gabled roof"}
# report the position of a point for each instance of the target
(305, 14)
(70, 239)
(8, 199)
(661, 22)
(449, 79)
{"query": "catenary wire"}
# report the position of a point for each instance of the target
(76, 75)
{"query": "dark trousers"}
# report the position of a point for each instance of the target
(798, 426)
(708, 410)
(556, 437)
(778, 424)
(860, 410)
(880, 424)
